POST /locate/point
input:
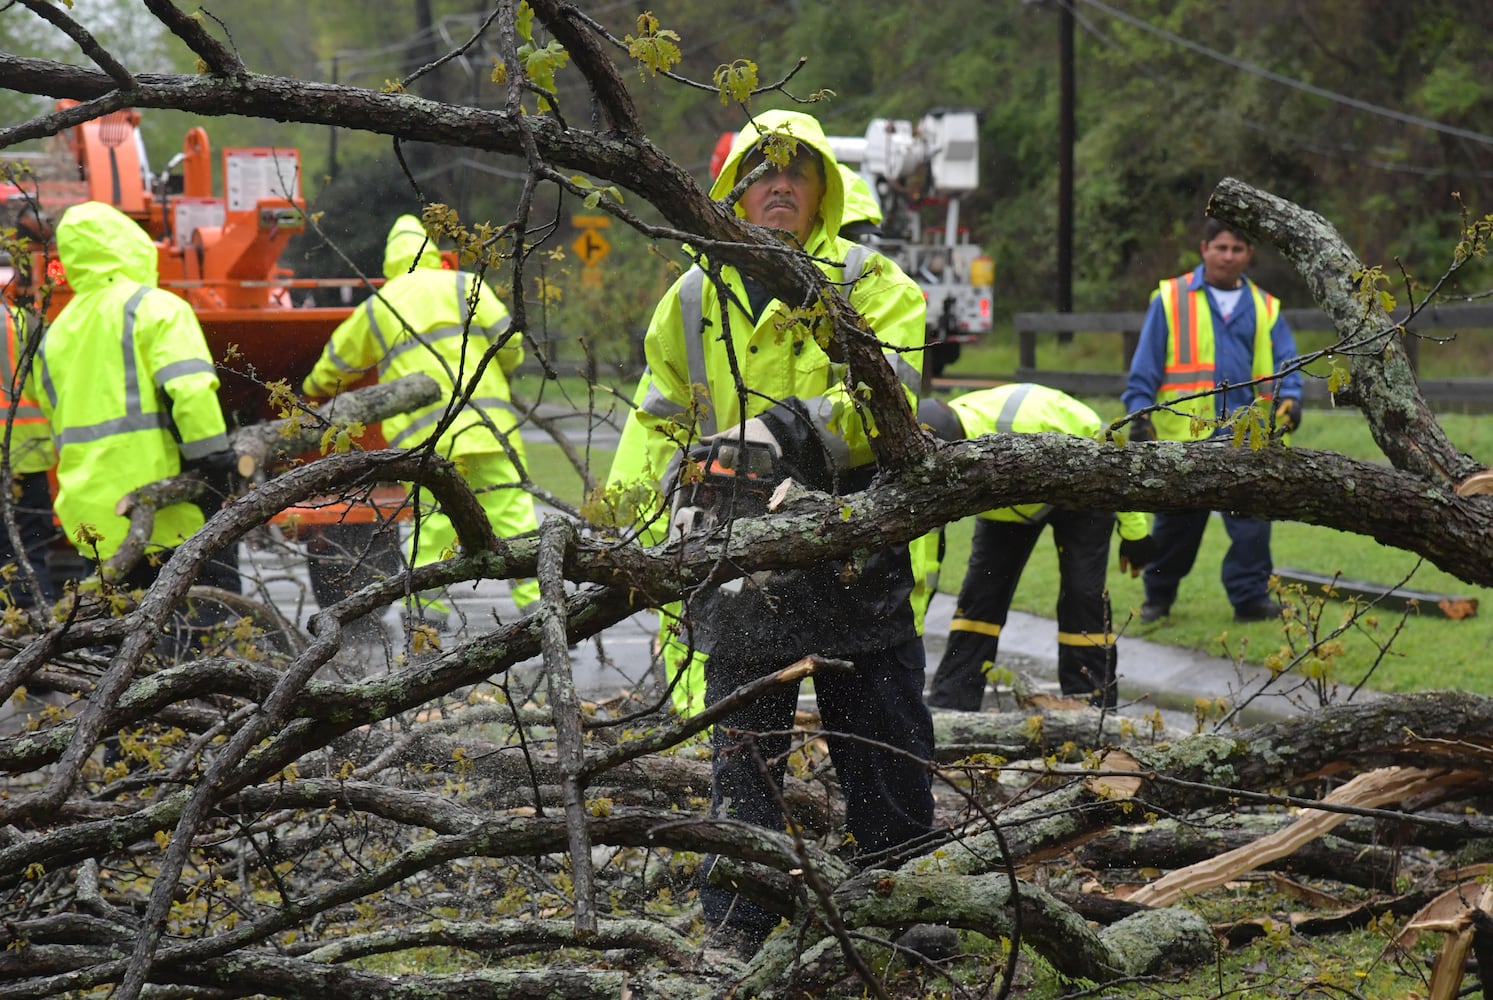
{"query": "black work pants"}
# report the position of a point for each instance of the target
(1246, 565)
(888, 795)
(999, 553)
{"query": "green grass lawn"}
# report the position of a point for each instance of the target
(1428, 651)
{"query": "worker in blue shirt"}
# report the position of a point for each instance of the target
(1211, 352)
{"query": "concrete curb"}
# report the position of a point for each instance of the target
(1151, 674)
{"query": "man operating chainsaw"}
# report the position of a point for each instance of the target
(789, 415)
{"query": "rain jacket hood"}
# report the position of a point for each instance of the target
(102, 245)
(409, 248)
(806, 130)
(860, 204)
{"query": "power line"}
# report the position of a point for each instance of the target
(1260, 71)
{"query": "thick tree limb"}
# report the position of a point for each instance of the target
(272, 441)
(1134, 946)
(555, 536)
(1383, 385)
(630, 160)
(1172, 844)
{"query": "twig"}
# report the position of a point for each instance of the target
(218, 57)
(555, 536)
(90, 46)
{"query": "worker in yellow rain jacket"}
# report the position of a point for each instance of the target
(1003, 543)
(683, 660)
(125, 379)
(798, 408)
(440, 323)
(31, 454)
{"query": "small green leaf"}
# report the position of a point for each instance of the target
(1338, 379)
(736, 81)
(655, 48)
(524, 21)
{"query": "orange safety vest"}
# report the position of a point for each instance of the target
(1189, 357)
(30, 436)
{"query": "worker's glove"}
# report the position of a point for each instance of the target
(678, 490)
(1141, 429)
(1137, 553)
(1287, 417)
(940, 418)
(219, 473)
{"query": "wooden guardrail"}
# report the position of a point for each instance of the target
(1472, 392)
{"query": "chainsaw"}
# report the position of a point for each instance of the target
(731, 479)
(771, 617)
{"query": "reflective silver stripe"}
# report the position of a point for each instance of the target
(8, 352)
(135, 418)
(691, 305)
(415, 343)
(1007, 418)
(855, 263)
(46, 376)
(691, 302)
(176, 369)
(902, 368)
(193, 450)
(1185, 329)
(340, 363)
(463, 306)
(659, 405)
(1005, 421)
(855, 269)
(132, 404)
(822, 409)
(478, 404)
(119, 425)
(373, 328)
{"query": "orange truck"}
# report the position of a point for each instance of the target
(219, 251)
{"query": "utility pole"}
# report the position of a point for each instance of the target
(1065, 161)
(332, 132)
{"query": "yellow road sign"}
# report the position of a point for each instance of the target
(590, 247)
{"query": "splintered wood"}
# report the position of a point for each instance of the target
(1367, 791)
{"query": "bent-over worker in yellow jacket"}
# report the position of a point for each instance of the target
(440, 323)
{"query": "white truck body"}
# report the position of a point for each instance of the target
(911, 168)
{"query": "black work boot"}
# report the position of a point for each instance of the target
(1261, 609)
(1154, 611)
